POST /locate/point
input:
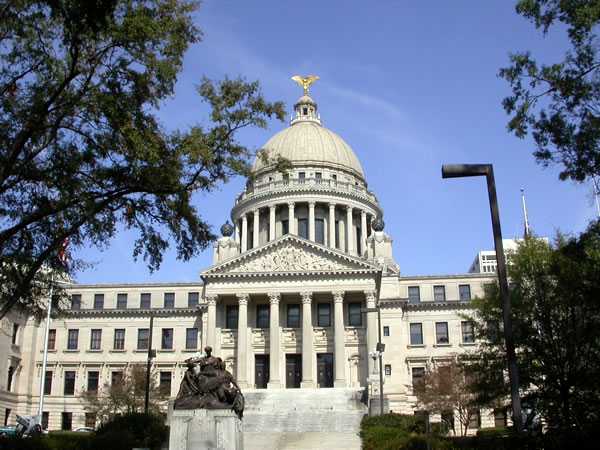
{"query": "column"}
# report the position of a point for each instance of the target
(274, 346)
(256, 232)
(272, 210)
(242, 340)
(244, 233)
(332, 230)
(291, 218)
(211, 330)
(237, 231)
(307, 341)
(363, 232)
(349, 231)
(339, 338)
(311, 221)
(372, 335)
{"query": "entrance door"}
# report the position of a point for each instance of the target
(293, 371)
(325, 370)
(261, 371)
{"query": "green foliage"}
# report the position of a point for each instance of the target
(559, 103)
(82, 153)
(131, 430)
(410, 424)
(556, 322)
(69, 440)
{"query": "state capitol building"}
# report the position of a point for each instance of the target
(289, 303)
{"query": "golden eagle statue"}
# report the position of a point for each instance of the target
(305, 82)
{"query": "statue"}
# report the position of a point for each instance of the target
(207, 385)
(305, 82)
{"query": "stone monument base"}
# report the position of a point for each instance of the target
(205, 429)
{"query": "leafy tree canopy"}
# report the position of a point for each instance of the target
(81, 150)
(559, 103)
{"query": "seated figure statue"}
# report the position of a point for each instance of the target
(208, 385)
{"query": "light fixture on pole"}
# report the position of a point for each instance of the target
(487, 170)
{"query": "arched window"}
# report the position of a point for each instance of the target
(11, 372)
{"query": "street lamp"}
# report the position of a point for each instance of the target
(487, 170)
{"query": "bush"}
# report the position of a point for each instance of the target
(40, 443)
(131, 430)
(409, 424)
(69, 440)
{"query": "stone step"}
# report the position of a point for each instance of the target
(339, 422)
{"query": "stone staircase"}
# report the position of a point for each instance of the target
(337, 410)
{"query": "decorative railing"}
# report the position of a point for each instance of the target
(323, 336)
(260, 336)
(228, 338)
(354, 335)
(291, 336)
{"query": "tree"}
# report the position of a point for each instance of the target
(559, 103)
(446, 390)
(556, 321)
(126, 395)
(82, 153)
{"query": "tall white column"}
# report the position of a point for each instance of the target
(211, 326)
(272, 210)
(242, 340)
(363, 232)
(372, 335)
(332, 230)
(307, 342)
(244, 233)
(256, 232)
(311, 221)
(291, 218)
(349, 230)
(339, 337)
(274, 342)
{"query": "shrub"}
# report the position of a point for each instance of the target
(409, 424)
(69, 440)
(39, 443)
(131, 430)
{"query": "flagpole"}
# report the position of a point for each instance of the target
(525, 212)
(596, 194)
(45, 362)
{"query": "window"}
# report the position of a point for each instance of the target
(262, 316)
(90, 420)
(447, 421)
(285, 227)
(92, 381)
(145, 301)
(142, 343)
(475, 420)
(193, 298)
(418, 373)
(69, 383)
(286, 178)
(301, 177)
(414, 294)
(354, 314)
(119, 340)
(493, 331)
(416, 334)
(121, 301)
(6, 416)
(165, 383)
(169, 300)
(388, 370)
(72, 340)
(293, 315)
(45, 419)
(95, 339)
(334, 177)
(320, 231)
(51, 339)
(11, 373)
(337, 234)
(468, 335)
(76, 302)
(66, 421)
(318, 177)
(167, 339)
(439, 293)
(305, 111)
(500, 417)
(323, 315)
(15, 333)
(358, 241)
(441, 333)
(231, 316)
(303, 228)
(464, 292)
(386, 330)
(55, 302)
(191, 338)
(48, 383)
(116, 377)
(98, 301)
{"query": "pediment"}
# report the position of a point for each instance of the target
(290, 254)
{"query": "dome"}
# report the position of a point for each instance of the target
(308, 143)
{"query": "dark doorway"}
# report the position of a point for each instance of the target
(325, 370)
(261, 371)
(293, 371)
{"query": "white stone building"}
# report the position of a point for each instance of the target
(289, 303)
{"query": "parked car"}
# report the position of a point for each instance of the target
(8, 431)
(84, 430)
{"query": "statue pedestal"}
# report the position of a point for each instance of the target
(205, 429)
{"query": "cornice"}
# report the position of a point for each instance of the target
(133, 312)
(75, 286)
(489, 277)
(438, 306)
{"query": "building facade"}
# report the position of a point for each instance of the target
(289, 302)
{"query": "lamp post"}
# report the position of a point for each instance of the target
(377, 354)
(487, 170)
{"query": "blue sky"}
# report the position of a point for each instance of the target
(410, 86)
